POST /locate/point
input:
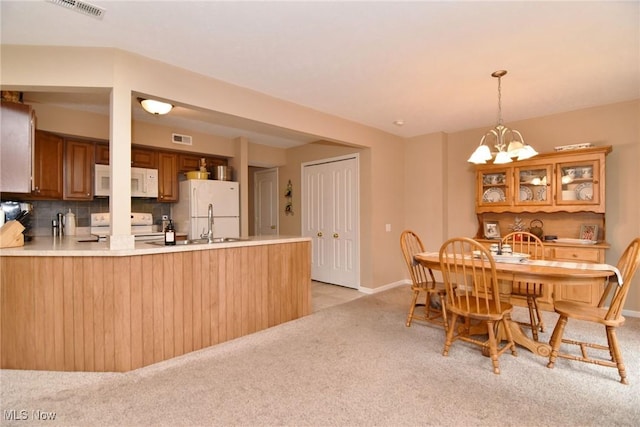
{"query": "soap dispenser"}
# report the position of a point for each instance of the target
(70, 223)
(170, 234)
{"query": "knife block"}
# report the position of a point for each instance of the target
(11, 234)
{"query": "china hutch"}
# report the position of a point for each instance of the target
(564, 193)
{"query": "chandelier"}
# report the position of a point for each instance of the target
(508, 142)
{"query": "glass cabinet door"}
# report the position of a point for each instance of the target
(578, 183)
(533, 185)
(493, 188)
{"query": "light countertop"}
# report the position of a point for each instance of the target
(70, 246)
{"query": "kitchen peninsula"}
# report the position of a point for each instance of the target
(79, 306)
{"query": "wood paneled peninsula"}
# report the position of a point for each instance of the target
(71, 306)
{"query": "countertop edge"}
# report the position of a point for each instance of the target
(69, 246)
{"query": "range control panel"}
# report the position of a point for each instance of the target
(104, 219)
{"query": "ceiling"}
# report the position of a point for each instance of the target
(427, 63)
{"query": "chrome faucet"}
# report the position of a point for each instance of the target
(209, 235)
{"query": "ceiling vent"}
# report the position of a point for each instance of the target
(81, 6)
(176, 138)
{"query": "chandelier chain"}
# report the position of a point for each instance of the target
(499, 100)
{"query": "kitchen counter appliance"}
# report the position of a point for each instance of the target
(141, 226)
(144, 182)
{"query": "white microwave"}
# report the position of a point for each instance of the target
(144, 182)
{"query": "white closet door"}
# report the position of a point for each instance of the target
(330, 219)
(266, 202)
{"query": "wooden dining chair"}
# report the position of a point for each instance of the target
(422, 281)
(525, 242)
(611, 317)
(471, 283)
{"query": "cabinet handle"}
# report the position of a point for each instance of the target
(335, 235)
(319, 234)
(273, 227)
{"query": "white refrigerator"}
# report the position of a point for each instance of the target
(190, 214)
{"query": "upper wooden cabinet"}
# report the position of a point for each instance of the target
(144, 158)
(16, 144)
(78, 170)
(167, 177)
(48, 157)
(570, 181)
(102, 154)
(191, 162)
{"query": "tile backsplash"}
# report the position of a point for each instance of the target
(44, 211)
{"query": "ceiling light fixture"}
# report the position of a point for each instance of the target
(155, 107)
(509, 142)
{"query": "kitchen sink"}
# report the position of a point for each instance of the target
(201, 241)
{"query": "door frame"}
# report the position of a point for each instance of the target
(356, 219)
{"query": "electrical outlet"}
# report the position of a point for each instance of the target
(387, 227)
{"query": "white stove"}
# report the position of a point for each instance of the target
(141, 226)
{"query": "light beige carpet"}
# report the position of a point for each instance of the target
(348, 365)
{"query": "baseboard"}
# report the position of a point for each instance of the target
(385, 287)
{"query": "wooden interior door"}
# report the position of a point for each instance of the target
(330, 219)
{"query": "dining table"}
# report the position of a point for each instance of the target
(536, 271)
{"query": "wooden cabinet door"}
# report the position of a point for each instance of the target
(533, 186)
(102, 154)
(167, 177)
(16, 142)
(494, 190)
(144, 158)
(48, 167)
(78, 170)
(189, 162)
(580, 184)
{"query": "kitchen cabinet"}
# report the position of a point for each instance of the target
(16, 147)
(144, 158)
(102, 154)
(191, 162)
(167, 177)
(78, 170)
(48, 156)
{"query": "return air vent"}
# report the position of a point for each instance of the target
(81, 6)
(176, 138)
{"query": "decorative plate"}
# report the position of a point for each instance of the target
(525, 193)
(542, 194)
(493, 195)
(584, 191)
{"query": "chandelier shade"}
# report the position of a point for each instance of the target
(508, 142)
